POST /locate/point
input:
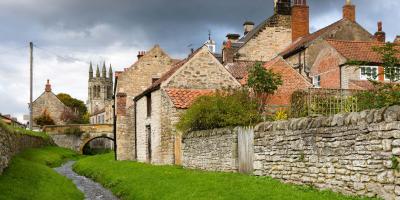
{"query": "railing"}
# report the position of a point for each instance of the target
(315, 102)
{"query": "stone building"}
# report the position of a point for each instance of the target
(100, 92)
(305, 47)
(263, 42)
(48, 102)
(158, 108)
(131, 82)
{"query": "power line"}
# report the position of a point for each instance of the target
(14, 49)
(67, 58)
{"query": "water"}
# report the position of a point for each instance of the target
(91, 189)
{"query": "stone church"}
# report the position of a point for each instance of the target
(100, 92)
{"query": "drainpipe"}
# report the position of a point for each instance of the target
(134, 125)
(115, 119)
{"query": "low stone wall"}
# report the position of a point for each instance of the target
(348, 153)
(214, 150)
(12, 143)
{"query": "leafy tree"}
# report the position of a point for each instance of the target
(78, 109)
(263, 82)
(390, 61)
(44, 119)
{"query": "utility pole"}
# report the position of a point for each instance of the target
(31, 86)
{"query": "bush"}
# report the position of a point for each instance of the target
(382, 96)
(223, 109)
(44, 119)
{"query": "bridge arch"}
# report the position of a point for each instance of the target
(88, 140)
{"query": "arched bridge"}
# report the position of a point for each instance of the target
(75, 137)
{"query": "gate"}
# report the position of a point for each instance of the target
(246, 149)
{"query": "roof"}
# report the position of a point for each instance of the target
(358, 50)
(10, 119)
(239, 69)
(184, 98)
(306, 40)
(271, 21)
(361, 85)
(156, 85)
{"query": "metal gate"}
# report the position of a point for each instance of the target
(246, 149)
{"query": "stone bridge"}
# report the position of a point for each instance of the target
(75, 137)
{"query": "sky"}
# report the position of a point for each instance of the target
(68, 34)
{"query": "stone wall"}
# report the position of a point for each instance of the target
(12, 143)
(48, 102)
(348, 153)
(214, 150)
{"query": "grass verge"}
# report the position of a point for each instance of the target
(22, 131)
(132, 180)
(30, 176)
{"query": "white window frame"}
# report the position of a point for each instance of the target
(317, 81)
(398, 74)
(367, 77)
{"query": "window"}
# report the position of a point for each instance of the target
(148, 133)
(369, 72)
(392, 73)
(148, 100)
(317, 81)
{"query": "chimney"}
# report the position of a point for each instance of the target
(232, 37)
(300, 19)
(248, 26)
(48, 86)
(227, 52)
(397, 40)
(380, 36)
(141, 54)
(282, 7)
(349, 11)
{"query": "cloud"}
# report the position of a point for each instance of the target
(68, 34)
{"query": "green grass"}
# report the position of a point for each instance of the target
(22, 131)
(31, 177)
(131, 180)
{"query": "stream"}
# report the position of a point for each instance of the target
(91, 189)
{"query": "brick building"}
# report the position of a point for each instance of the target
(158, 108)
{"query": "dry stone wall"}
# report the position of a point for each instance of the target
(12, 143)
(348, 153)
(214, 150)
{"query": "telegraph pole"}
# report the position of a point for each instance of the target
(31, 86)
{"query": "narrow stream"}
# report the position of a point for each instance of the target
(91, 189)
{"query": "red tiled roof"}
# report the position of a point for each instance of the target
(183, 98)
(239, 69)
(304, 41)
(358, 50)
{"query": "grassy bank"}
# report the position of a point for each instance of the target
(22, 131)
(30, 176)
(131, 180)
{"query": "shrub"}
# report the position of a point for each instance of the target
(281, 115)
(382, 96)
(44, 119)
(223, 109)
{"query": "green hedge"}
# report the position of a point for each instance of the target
(223, 109)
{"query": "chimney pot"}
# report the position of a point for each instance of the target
(248, 26)
(349, 11)
(141, 54)
(48, 86)
(233, 37)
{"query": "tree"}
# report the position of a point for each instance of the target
(77, 107)
(263, 83)
(390, 60)
(44, 119)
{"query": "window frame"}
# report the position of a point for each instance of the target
(367, 77)
(318, 81)
(148, 105)
(397, 72)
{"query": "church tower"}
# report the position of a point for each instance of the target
(100, 88)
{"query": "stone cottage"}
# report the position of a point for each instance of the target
(131, 82)
(48, 102)
(158, 108)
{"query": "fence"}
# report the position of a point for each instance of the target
(315, 102)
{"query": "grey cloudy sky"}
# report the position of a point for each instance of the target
(70, 33)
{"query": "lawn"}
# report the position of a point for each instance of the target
(30, 176)
(132, 180)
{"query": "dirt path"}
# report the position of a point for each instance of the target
(91, 189)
